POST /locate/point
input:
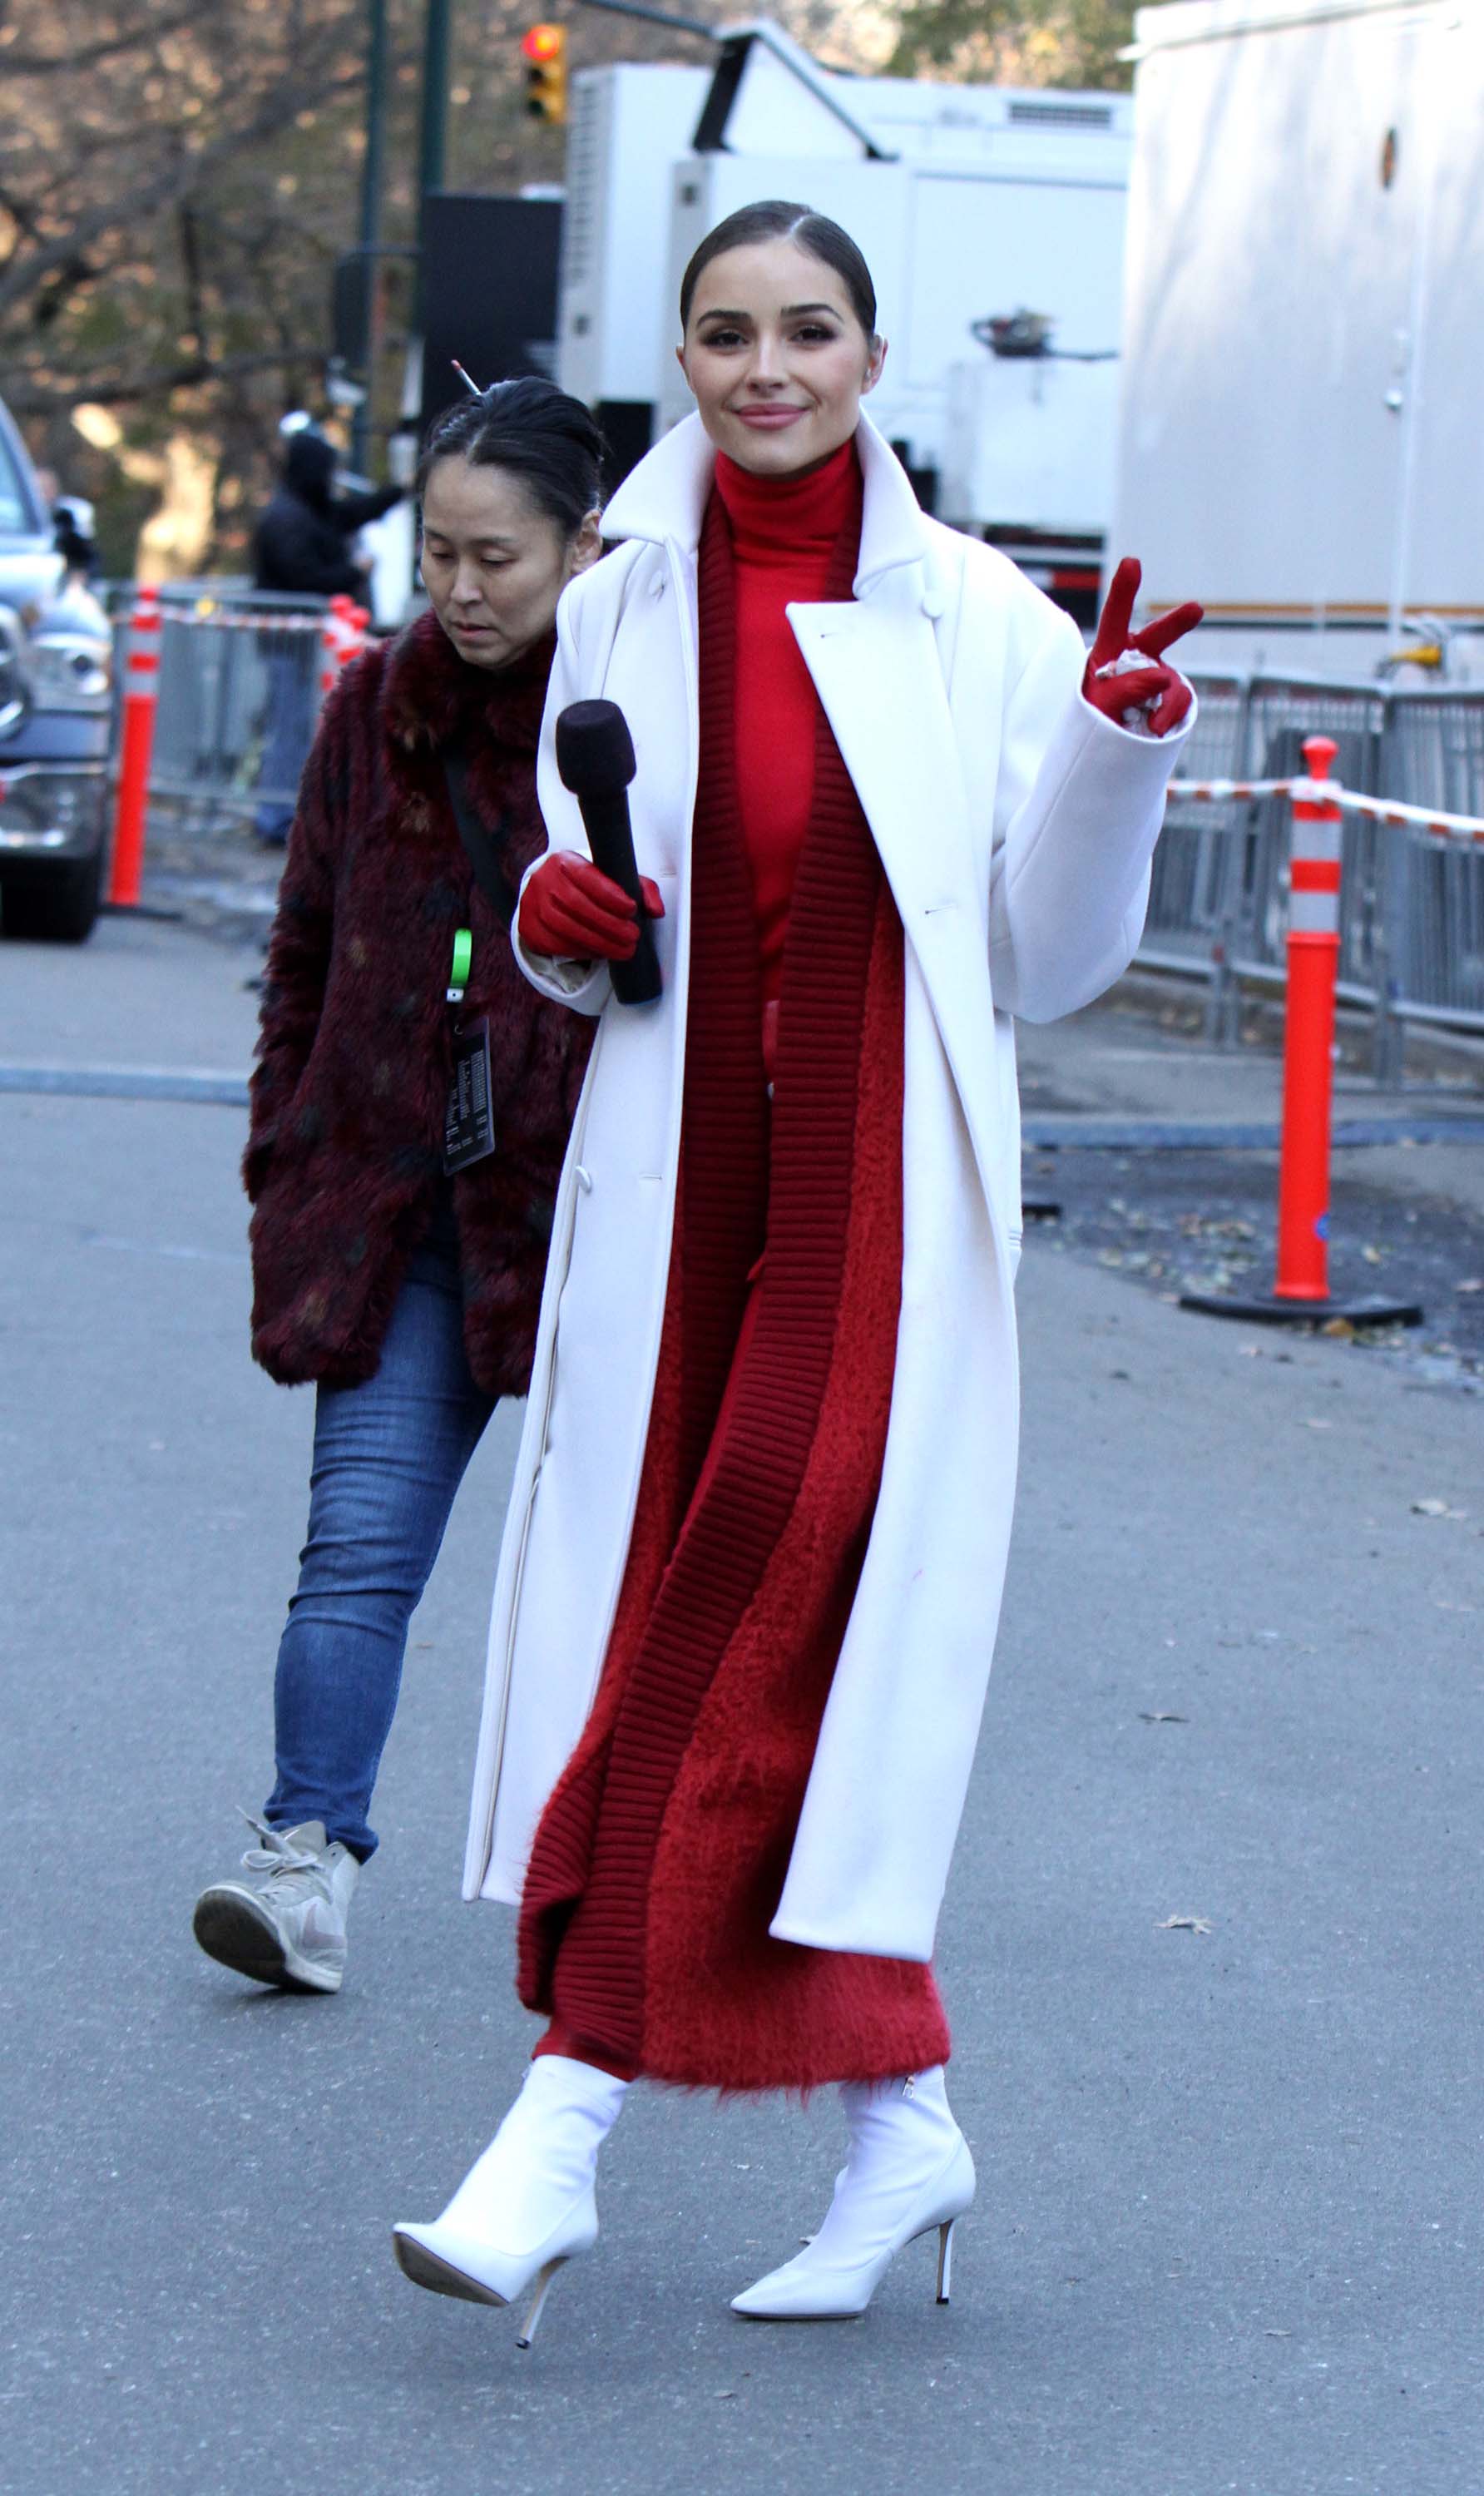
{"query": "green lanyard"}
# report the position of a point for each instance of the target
(463, 957)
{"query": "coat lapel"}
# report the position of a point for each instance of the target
(876, 668)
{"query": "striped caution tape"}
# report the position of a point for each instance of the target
(1466, 828)
(1217, 792)
(242, 619)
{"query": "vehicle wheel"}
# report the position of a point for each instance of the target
(60, 909)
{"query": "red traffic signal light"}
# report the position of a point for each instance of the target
(546, 49)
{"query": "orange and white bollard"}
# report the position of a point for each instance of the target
(142, 693)
(1309, 1032)
(337, 639)
(1301, 1285)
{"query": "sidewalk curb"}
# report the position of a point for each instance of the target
(1051, 1132)
(127, 1083)
(1041, 1133)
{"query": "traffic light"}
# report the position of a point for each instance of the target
(546, 49)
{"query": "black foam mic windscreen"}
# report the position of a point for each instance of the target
(594, 749)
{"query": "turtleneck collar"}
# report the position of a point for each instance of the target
(432, 694)
(783, 516)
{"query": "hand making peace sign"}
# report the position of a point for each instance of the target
(1158, 694)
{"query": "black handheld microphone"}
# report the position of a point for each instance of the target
(595, 757)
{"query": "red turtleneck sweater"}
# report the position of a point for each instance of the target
(784, 531)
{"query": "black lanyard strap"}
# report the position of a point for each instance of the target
(483, 850)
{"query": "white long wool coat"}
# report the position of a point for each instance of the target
(1015, 826)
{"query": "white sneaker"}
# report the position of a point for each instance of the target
(291, 1931)
(909, 2171)
(527, 2205)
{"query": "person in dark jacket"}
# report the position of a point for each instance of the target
(302, 548)
(303, 539)
(409, 1295)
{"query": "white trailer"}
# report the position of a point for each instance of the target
(1299, 444)
(970, 204)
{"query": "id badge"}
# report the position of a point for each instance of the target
(469, 1127)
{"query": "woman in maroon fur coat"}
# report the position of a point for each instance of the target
(398, 1256)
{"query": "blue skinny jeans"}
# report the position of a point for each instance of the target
(388, 1458)
(289, 735)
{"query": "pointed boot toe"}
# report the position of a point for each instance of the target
(527, 2205)
(441, 2258)
(802, 2292)
(455, 2260)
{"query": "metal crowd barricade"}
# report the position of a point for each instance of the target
(218, 724)
(1431, 967)
(1187, 924)
(1412, 917)
(232, 661)
(1280, 712)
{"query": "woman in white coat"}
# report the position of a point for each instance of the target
(751, 1575)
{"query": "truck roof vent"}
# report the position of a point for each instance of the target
(1063, 116)
(579, 222)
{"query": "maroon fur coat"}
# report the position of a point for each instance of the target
(345, 1152)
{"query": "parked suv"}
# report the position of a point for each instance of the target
(55, 680)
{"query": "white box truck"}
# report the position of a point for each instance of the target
(992, 219)
(1300, 434)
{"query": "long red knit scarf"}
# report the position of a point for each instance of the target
(749, 1184)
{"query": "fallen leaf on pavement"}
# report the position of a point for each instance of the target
(1161, 1716)
(1438, 1507)
(1340, 1327)
(1475, 1283)
(1183, 1924)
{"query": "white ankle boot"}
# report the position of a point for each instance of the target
(908, 2171)
(527, 2205)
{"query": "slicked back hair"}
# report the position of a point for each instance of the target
(786, 221)
(533, 431)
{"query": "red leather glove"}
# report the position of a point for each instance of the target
(570, 908)
(1156, 691)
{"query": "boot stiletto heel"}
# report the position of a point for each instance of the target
(534, 2312)
(946, 2261)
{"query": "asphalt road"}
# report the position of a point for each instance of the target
(1229, 2233)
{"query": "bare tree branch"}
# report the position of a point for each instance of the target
(168, 186)
(86, 57)
(36, 398)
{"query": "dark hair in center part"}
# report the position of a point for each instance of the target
(533, 431)
(787, 221)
